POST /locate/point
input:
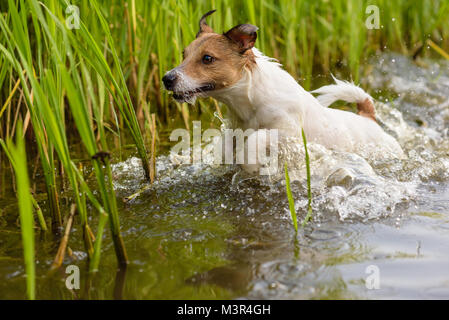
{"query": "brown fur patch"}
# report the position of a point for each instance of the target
(366, 109)
(228, 63)
(204, 27)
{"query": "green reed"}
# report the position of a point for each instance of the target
(18, 156)
(291, 201)
(49, 85)
(309, 188)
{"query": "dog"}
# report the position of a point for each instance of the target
(262, 96)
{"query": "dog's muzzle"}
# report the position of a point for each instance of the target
(169, 81)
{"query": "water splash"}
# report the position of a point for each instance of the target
(346, 185)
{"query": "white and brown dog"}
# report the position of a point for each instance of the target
(261, 95)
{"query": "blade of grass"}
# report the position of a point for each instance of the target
(18, 154)
(291, 202)
(309, 189)
(12, 160)
(438, 49)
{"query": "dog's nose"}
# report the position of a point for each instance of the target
(169, 81)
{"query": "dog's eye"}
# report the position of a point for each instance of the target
(208, 59)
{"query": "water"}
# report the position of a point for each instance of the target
(210, 232)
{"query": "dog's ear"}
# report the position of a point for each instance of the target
(204, 27)
(244, 35)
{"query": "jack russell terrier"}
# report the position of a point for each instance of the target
(261, 95)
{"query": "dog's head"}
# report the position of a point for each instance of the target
(212, 61)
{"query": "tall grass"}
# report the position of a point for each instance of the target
(49, 85)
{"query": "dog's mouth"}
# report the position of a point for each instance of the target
(183, 96)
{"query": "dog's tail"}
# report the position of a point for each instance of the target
(349, 92)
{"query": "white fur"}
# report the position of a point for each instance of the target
(267, 97)
(342, 90)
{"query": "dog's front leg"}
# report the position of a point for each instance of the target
(255, 150)
(261, 150)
